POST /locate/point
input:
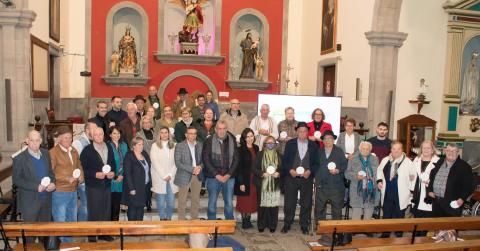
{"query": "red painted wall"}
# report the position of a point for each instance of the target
(272, 9)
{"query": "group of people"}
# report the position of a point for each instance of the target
(155, 150)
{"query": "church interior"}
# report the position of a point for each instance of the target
(408, 64)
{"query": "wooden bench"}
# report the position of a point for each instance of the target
(7, 200)
(413, 225)
(457, 245)
(122, 229)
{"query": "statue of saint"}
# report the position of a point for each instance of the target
(184, 35)
(259, 64)
(469, 93)
(115, 61)
(128, 53)
(193, 12)
(249, 49)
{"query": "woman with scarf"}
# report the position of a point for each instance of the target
(362, 173)
(318, 126)
(267, 180)
(120, 149)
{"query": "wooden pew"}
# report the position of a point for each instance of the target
(122, 229)
(183, 249)
(7, 200)
(446, 246)
(413, 225)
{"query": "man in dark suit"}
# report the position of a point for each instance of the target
(31, 170)
(451, 182)
(299, 152)
(188, 159)
(95, 158)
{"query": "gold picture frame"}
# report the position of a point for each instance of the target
(40, 68)
(328, 29)
(54, 23)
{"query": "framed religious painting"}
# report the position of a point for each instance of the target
(40, 68)
(54, 20)
(329, 26)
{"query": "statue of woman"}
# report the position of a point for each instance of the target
(249, 49)
(469, 94)
(114, 59)
(127, 50)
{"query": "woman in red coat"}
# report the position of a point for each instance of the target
(318, 126)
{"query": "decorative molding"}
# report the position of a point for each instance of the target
(188, 59)
(192, 73)
(386, 38)
(122, 81)
(243, 84)
(21, 18)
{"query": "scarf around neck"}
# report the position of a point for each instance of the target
(217, 148)
(365, 187)
(270, 158)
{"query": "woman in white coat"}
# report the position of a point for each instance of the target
(395, 178)
(163, 173)
(423, 163)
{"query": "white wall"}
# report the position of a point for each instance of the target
(421, 56)
(72, 37)
(354, 18)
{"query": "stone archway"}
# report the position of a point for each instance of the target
(192, 73)
(385, 39)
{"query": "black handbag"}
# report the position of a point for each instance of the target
(51, 243)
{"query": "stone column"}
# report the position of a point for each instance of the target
(383, 76)
(15, 24)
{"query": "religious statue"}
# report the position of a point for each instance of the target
(193, 12)
(259, 64)
(115, 61)
(249, 49)
(469, 93)
(128, 53)
(184, 35)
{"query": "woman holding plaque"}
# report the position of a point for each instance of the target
(120, 148)
(267, 179)
(137, 179)
(245, 189)
(318, 126)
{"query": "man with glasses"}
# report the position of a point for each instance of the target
(318, 126)
(451, 182)
(188, 159)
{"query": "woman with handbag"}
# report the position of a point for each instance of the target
(362, 173)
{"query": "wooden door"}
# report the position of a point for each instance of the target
(329, 80)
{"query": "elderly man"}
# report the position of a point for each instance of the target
(99, 165)
(220, 158)
(396, 179)
(33, 175)
(188, 159)
(131, 125)
(100, 118)
(116, 114)
(236, 121)
(182, 101)
(264, 125)
(300, 161)
(79, 144)
(140, 101)
(451, 182)
(68, 174)
(154, 101)
(287, 128)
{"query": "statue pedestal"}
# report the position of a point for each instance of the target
(188, 59)
(189, 48)
(248, 84)
(126, 73)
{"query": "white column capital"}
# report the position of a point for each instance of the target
(386, 38)
(21, 18)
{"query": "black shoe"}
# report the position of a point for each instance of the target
(261, 230)
(305, 230)
(92, 239)
(149, 209)
(203, 191)
(285, 229)
(106, 238)
(248, 223)
(272, 231)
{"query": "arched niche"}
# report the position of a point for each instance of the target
(192, 73)
(257, 23)
(119, 16)
(472, 46)
(171, 19)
